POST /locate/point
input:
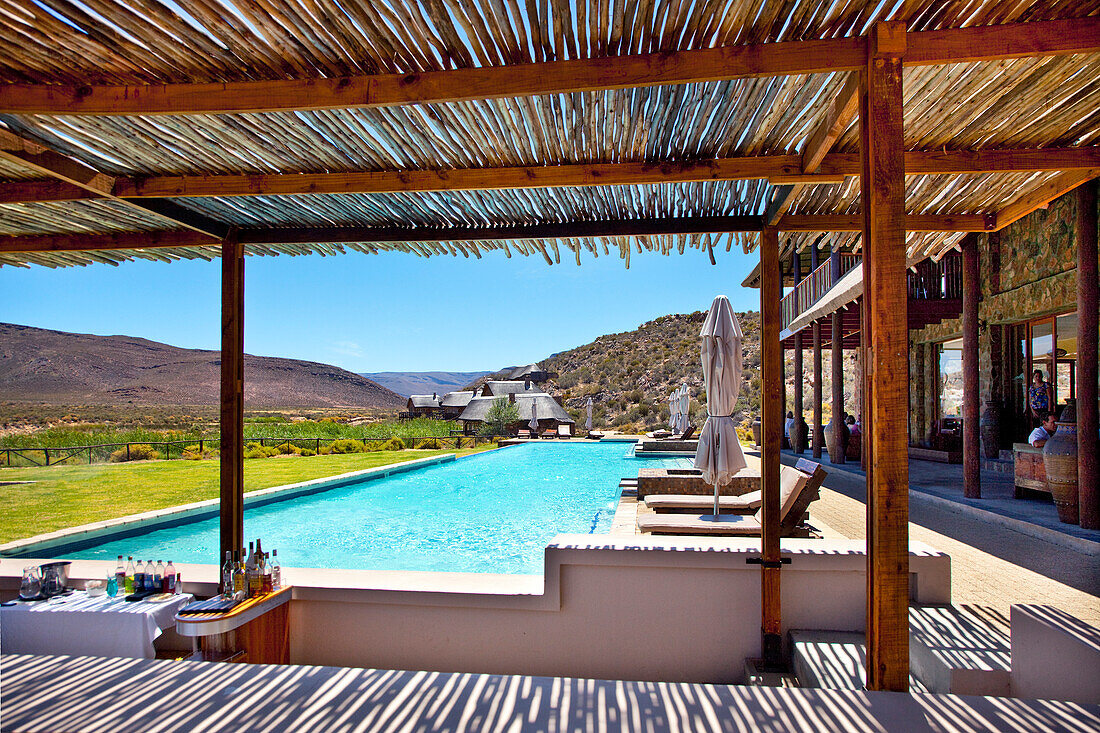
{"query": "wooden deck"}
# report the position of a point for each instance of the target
(89, 694)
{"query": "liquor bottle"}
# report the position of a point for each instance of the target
(250, 576)
(120, 574)
(128, 585)
(266, 583)
(170, 578)
(139, 577)
(276, 571)
(240, 584)
(227, 574)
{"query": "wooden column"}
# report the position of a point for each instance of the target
(796, 274)
(882, 194)
(1087, 460)
(837, 354)
(232, 397)
(818, 433)
(771, 290)
(972, 445)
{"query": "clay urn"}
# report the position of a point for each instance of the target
(836, 452)
(799, 432)
(1060, 463)
(990, 429)
(756, 427)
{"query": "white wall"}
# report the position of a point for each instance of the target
(1055, 656)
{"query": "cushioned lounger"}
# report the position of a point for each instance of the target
(746, 503)
(724, 524)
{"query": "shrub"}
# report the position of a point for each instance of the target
(427, 444)
(347, 445)
(253, 449)
(393, 444)
(139, 452)
(307, 452)
(192, 453)
(289, 449)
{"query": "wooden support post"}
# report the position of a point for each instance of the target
(972, 446)
(836, 455)
(771, 290)
(882, 193)
(232, 397)
(818, 431)
(1088, 463)
(797, 445)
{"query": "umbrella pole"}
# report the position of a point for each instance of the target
(718, 444)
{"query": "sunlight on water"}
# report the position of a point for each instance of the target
(489, 513)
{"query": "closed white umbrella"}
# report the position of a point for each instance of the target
(673, 410)
(588, 409)
(719, 454)
(534, 424)
(685, 408)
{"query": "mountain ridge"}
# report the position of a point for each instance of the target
(44, 365)
(410, 383)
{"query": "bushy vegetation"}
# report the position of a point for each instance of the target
(139, 452)
(500, 415)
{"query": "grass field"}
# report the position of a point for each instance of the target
(65, 496)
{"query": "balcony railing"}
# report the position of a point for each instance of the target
(928, 281)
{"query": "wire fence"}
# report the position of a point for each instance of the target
(197, 448)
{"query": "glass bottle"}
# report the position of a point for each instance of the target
(128, 585)
(120, 574)
(158, 577)
(276, 571)
(266, 583)
(139, 577)
(240, 584)
(227, 574)
(170, 578)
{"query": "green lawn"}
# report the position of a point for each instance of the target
(65, 496)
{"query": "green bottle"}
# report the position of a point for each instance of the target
(129, 574)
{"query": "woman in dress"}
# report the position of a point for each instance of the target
(1040, 397)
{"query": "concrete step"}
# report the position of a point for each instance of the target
(833, 660)
(631, 483)
(961, 650)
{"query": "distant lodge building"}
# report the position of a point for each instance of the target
(447, 407)
(549, 410)
(531, 373)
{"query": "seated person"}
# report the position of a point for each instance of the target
(1040, 435)
(853, 426)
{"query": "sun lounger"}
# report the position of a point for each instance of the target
(523, 434)
(798, 488)
(563, 432)
(744, 504)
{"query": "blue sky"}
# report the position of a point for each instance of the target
(390, 312)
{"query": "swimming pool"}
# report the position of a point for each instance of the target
(487, 513)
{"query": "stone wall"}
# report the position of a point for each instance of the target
(1027, 270)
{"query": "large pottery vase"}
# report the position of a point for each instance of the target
(836, 452)
(1060, 462)
(990, 427)
(756, 431)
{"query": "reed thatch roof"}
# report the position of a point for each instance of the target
(548, 408)
(428, 165)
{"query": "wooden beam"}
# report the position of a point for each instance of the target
(882, 193)
(22, 192)
(778, 169)
(46, 162)
(782, 198)
(913, 222)
(231, 447)
(566, 230)
(181, 215)
(837, 118)
(1009, 41)
(771, 368)
(986, 43)
(1088, 285)
(103, 242)
(972, 290)
(1043, 195)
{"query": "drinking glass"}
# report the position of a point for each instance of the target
(112, 585)
(31, 587)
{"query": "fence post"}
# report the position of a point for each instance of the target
(89, 455)
(167, 451)
(318, 451)
(201, 451)
(127, 452)
(47, 452)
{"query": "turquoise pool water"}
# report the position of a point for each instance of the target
(488, 513)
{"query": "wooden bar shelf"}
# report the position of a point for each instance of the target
(257, 630)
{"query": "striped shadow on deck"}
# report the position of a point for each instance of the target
(102, 694)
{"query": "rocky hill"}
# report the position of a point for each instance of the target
(629, 375)
(54, 367)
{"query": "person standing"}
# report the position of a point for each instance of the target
(1040, 397)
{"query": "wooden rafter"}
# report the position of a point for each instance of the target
(1043, 195)
(1057, 37)
(564, 230)
(779, 169)
(839, 115)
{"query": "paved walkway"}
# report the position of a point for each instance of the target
(991, 564)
